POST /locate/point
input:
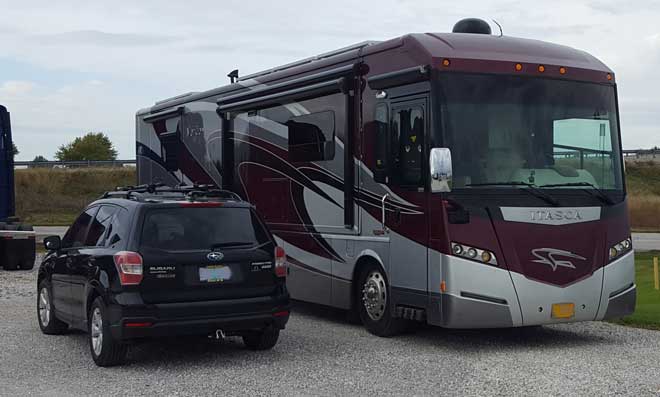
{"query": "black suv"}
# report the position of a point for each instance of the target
(156, 261)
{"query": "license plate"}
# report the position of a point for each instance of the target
(214, 274)
(563, 310)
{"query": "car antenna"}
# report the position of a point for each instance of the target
(499, 26)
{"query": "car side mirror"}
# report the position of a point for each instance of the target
(52, 243)
(441, 169)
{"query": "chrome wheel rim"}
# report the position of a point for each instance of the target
(96, 331)
(374, 295)
(44, 307)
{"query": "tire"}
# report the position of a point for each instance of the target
(106, 351)
(27, 265)
(261, 340)
(374, 305)
(48, 322)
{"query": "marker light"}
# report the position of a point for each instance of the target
(541, 68)
(486, 256)
(609, 76)
(518, 67)
(446, 62)
(562, 70)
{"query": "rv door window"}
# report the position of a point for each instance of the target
(408, 143)
(312, 137)
(382, 136)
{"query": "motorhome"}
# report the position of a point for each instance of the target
(464, 179)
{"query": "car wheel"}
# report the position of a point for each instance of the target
(261, 340)
(375, 303)
(105, 350)
(48, 322)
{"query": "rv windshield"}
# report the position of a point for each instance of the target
(508, 130)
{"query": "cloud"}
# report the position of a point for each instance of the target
(15, 88)
(103, 39)
(143, 51)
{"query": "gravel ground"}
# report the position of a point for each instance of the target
(320, 354)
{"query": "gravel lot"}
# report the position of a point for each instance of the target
(320, 354)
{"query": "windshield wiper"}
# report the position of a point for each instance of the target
(595, 191)
(231, 244)
(531, 189)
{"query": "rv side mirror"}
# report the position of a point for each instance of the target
(52, 243)
(441, 170)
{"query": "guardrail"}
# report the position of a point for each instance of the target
(76, 164)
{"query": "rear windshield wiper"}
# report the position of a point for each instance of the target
(231, 244)
(595, 191)
(531, 189)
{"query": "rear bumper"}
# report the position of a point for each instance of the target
(198, 318)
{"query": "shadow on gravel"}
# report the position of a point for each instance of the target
(466, 340)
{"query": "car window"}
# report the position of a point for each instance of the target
(180, 229)
(75, 236)
(117, 228)
(97, 230)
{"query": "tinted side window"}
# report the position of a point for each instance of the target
(75, 236)
(99, 226)
(117, 228)
(408, 135)
(312, 137)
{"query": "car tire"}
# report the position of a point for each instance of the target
(261, 340)
(48, 322)
(374, 303)
(106, 351)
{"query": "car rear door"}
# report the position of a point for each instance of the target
(201, 254)
(85, 262)
(73, 240)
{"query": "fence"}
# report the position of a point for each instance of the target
(73, 164)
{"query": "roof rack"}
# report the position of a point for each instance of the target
(309, 60)
(189, 192)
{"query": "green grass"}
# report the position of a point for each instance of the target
(55, 196)
(647, 312)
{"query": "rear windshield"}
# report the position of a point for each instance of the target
(182, 229)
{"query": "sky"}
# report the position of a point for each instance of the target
(71, 67)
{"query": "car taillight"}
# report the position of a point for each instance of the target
(280, 262)
(129, 267)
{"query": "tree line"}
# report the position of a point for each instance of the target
(94, 146)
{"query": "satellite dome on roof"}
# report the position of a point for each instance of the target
(472, 25)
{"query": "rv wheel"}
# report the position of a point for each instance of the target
(375, 303)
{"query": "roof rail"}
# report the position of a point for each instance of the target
(176, 97)
(309, 60)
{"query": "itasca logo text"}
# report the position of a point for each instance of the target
(549, 256)
(557, 215)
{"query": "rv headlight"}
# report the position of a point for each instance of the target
(620, 248)
(473, 253)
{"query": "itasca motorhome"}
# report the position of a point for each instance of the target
(463, 179)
